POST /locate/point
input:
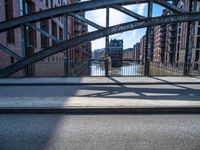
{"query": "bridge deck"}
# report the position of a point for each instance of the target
(101, 96)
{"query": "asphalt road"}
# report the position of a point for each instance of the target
(99, 132)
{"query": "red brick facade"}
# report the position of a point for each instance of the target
(53, 65)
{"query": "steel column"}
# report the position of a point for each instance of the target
(24, 40)
(107, 43)
(66, 60)
(148, 42)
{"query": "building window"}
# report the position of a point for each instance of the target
(179, 38)
(197, 56)
(178, 47)
(51, 3)
(196, 66)
(21, 7)
(44, 25)
(9, 15)
(199, 31)
(54, 31)
(31, 33)
(60, 33)
(198, 42)
(12, 60)
(29, 7)
(47, 3)
(177, 57)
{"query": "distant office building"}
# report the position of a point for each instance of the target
(115, 50)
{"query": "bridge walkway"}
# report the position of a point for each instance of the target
(100, 93)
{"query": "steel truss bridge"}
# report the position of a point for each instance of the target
(178, 15)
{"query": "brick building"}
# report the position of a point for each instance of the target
(128, 54)
(35, 41)
(142, 47)
(170, 47)
(159, 42)
(196, 46)
(136, 48)
(181, 39)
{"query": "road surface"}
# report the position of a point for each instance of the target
(99, 132)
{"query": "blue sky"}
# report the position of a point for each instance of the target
(116, 17)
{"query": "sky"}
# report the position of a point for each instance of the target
(130, 37)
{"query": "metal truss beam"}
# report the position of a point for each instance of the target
(9, 52)
(98, 34)
(169, 6)
(43, 32)
(58, 11)
(128, 12)
(56, 39)
(83, 19)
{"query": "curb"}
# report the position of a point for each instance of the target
(76, 84)
(164, 110)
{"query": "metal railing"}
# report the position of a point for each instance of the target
(96, 68)
(195, 69)
(166, 69)
(128, 68)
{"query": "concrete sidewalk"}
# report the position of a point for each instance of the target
(162, 97)
(99, 80)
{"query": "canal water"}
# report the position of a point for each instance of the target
(127, 69)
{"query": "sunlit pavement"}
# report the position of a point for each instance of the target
(98, 96)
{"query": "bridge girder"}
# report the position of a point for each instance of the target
(183, 17)
(169, 6)
(9, 52)
(128, 12)
(75, 8)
